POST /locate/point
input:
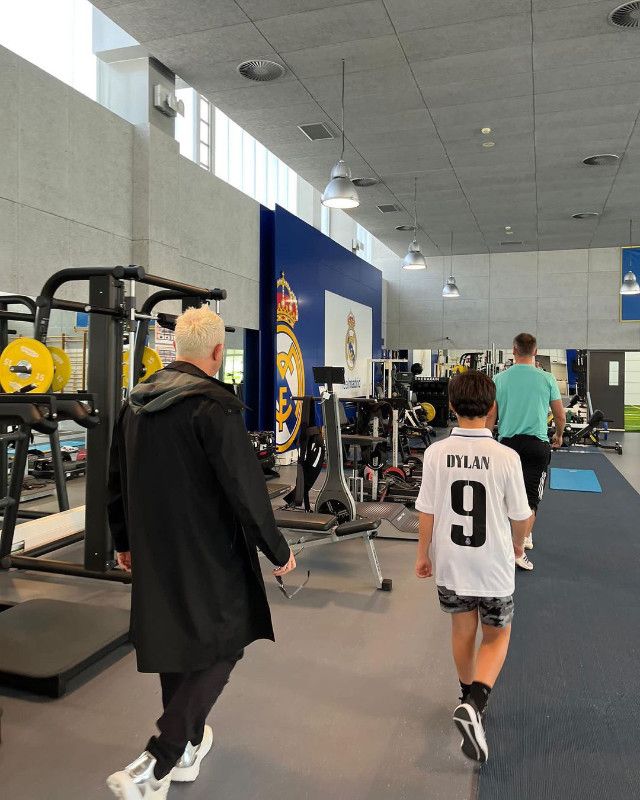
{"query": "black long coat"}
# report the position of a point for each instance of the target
(189, 500)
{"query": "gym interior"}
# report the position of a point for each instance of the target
(375, 196)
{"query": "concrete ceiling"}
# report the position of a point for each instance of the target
(552, 78)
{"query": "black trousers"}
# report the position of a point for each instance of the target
(187, 699)
(535, 456)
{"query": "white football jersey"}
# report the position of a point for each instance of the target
(473, 486)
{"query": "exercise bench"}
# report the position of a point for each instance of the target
(312, 530)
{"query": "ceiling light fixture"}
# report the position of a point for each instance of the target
(488, 144)
(414, 258)
(404, 227)
(450, 289)
(485, 131)
(340, 191)
(630, 283)
(586, 215)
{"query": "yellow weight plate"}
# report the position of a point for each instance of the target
(62, 369)
(429, 411)
(151, 362)
(26, 362)
(459, 368)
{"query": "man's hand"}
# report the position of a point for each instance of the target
(124, 561)
(556, 442)
(424, 567)
(518, 551)
(288, 567)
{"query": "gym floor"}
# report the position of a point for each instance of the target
(353, 702)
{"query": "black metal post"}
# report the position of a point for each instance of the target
(105, 381)
(58, 471)
(10, 513)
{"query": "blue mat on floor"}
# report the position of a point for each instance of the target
(574, 480)
(562, 722)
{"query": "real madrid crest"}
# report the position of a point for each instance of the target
(351, 343)
(289, 366)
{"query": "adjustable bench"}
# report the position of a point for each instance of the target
(325, 529)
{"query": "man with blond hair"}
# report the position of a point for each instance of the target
(188, 509)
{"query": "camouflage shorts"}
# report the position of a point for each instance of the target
(494, 611)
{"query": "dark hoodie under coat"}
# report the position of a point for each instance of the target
(188, 498)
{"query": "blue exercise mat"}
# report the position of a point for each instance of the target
(575, 480)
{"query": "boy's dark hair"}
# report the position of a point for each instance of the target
(525, 344)
(471, 394)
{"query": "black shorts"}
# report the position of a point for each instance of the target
(494, 611)
(535, 456)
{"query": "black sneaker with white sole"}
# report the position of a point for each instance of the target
(469, 722)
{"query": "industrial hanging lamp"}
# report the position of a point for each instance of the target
(414, 258)
(450, 289)
(340, 191)
(630, 283)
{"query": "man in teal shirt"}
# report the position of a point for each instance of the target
(524, 394)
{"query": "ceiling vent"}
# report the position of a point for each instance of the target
(261, 70)
(602, 160)
(626, 16)
(365, 183)
(388, 208)
(316, 132)
(586, 215)
(511, 244)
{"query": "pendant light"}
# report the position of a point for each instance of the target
(340, 191)
(450, 289)
(414, 258)
(630, 283)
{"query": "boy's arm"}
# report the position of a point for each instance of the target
(518, 509)
(424, 567)
(425, 505)
(519, 530)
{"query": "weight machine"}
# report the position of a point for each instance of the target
(69, 636)
(334, 519)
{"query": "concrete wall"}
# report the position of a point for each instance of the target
(193, 227)
(65, 179)
(568, 298)
(79, 186)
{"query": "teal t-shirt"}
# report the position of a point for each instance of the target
(523, 394)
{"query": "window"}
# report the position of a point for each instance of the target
(246, 164)
(325, 220)
(57, 37)
(365, 242)
(233, 368)
(222, 145)
(204, 134)
(186, 126)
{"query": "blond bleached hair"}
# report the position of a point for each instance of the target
(198, 332)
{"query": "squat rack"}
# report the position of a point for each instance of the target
(110, 313)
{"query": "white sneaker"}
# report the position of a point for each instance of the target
(137, 781)
(469, 722)
(188, 768)
(528, 542)
(524, 563)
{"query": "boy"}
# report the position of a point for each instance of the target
(472, 487)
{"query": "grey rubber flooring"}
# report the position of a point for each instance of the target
(563, 719)
(353, 702)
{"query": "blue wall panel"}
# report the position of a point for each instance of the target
(630, 305)
(312, 263)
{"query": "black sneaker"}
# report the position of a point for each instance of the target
(469, 722)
